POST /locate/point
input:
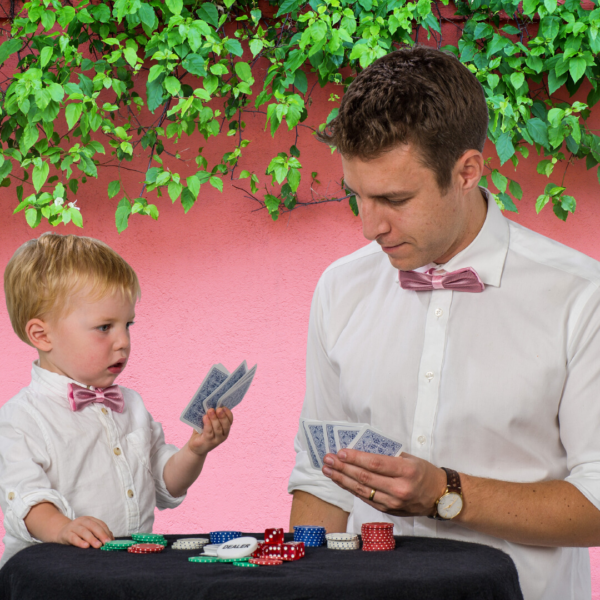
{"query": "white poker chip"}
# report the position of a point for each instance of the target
(333, 545)
(202, 541)
(341, 537)
(211, 549)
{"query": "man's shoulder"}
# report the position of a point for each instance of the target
(549, 253)
(365, 256)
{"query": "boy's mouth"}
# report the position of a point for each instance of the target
(117, 367)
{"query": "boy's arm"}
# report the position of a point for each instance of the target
(47, 524)
(184, 467)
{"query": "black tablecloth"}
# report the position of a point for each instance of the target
(418, 569)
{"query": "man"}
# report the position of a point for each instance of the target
(497, 379)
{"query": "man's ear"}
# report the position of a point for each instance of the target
(38, 334)
(469, 170)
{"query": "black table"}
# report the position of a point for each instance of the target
(418, 569)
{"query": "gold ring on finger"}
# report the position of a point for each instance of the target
(372, 494)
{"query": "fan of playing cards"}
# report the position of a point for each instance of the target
(219, 388)
(324, 437)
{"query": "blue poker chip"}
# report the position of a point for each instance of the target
(220, 537)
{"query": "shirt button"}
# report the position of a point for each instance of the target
(11, 496)
(438, 312)
(421, 439)
(429, 375)
(104, 411)
(117, 451)
(130, 493)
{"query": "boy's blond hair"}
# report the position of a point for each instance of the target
(43, 273)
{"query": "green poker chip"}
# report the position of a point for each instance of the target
(119, 544)
(243, 564)
(111, 549)
(150, 538)
(203, 559)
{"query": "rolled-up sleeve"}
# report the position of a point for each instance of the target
(579, 413)
(160, 453)
(25, 456)
(321, 402)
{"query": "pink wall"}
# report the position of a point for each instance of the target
(223, 284)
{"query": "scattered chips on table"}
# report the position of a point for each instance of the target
(244, 564)
(265, 562)
(118, 544)
(145, 548)
(203, 559)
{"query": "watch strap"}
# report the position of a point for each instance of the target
(452, 486)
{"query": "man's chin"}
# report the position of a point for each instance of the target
(407, 263)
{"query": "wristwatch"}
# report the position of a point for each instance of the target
(450, 503)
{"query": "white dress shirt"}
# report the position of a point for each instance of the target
(93, 462)
(502, 384)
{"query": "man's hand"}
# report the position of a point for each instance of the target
(217, 424)
(84, 532)
(406, 486)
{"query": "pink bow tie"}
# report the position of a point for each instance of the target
(463, 280)
(111, 397)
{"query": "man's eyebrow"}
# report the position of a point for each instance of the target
(391, 194)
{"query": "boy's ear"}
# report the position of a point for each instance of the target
(37, 332)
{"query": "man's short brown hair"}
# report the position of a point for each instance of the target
(416, 95)
(44, 273)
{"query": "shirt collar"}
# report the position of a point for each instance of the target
(53, 384)
(487, 252)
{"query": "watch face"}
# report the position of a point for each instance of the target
(449, 505)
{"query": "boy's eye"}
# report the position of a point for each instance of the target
(104, 327)
(130, 324)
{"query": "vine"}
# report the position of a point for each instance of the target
(82, 79)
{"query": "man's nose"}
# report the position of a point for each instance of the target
(373, 220)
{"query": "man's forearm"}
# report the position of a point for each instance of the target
(553, 513)
(181, 470)
(310, 510)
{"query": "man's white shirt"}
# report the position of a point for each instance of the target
(93, 462)
(503, 384)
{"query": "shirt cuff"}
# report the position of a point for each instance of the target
(163, 497)
(20, 505)
(586, 478)
(307, 479)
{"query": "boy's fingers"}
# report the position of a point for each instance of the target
(217, 426)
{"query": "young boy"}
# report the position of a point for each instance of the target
(81, 459)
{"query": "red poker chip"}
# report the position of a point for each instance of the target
(265, 562)
(376, 526)
(145, 548)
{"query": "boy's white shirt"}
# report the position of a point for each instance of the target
(92, 462)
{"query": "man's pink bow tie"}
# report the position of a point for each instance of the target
(111, 397)
(463, 280)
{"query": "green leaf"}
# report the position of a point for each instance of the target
(9, 48)
(517, 80)
(72, 114)
(504, 147)
(300, 81)
(538, 130)
(33, 217)
(568, 203)
(155, 94)
(500, 181)
(208, 12)
(187, 199)
(554, 82)
(288, 6)
(216, 182)
(122, 215)
(507, 202)
(28, 138)
(243, 71)
(482, 30)
(76, 217)
(130, 56)
(550, 5)
(577, 66)
(515, 190)
(56, 92)
(234, 47)
(172, 85)
(541, 202)
(114, 187)
(175, 6)
(193, 184)
(39, 175)
(46, 55)
(256, 46)
(194, 64)
(147, 15)
(174, 190)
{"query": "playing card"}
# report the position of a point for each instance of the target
(344, 434)
(311, 451)
(211, 401)
(236, 394)
(317, 434)
(192, 414)
(331, 445)
(373, 441)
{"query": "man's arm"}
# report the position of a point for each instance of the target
(310, 510)
(552, 513)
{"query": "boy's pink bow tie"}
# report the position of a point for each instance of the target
(463, 280)
(111, 397)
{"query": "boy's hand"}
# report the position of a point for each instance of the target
(84, 532)
(217, 424)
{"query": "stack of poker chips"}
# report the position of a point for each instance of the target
(220, 537)
(150, 538)
(378, 536)
(211, 549)
(190, 544)
(145, 548)
(118, 545)
(312, 536)
(342, 541)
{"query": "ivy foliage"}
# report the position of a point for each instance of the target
(88, 85)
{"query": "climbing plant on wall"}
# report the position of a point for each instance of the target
(87, 84)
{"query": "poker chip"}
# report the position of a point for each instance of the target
(106, 549)
(233, 560)
(243, 564)
(335, 545)
(149, 538)
(311, 535)
(341, 537)
(145, 548)
(118, 544)
(377, 537)
(190, 543)
(265, 562)
(203, 559)
(220, 537)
